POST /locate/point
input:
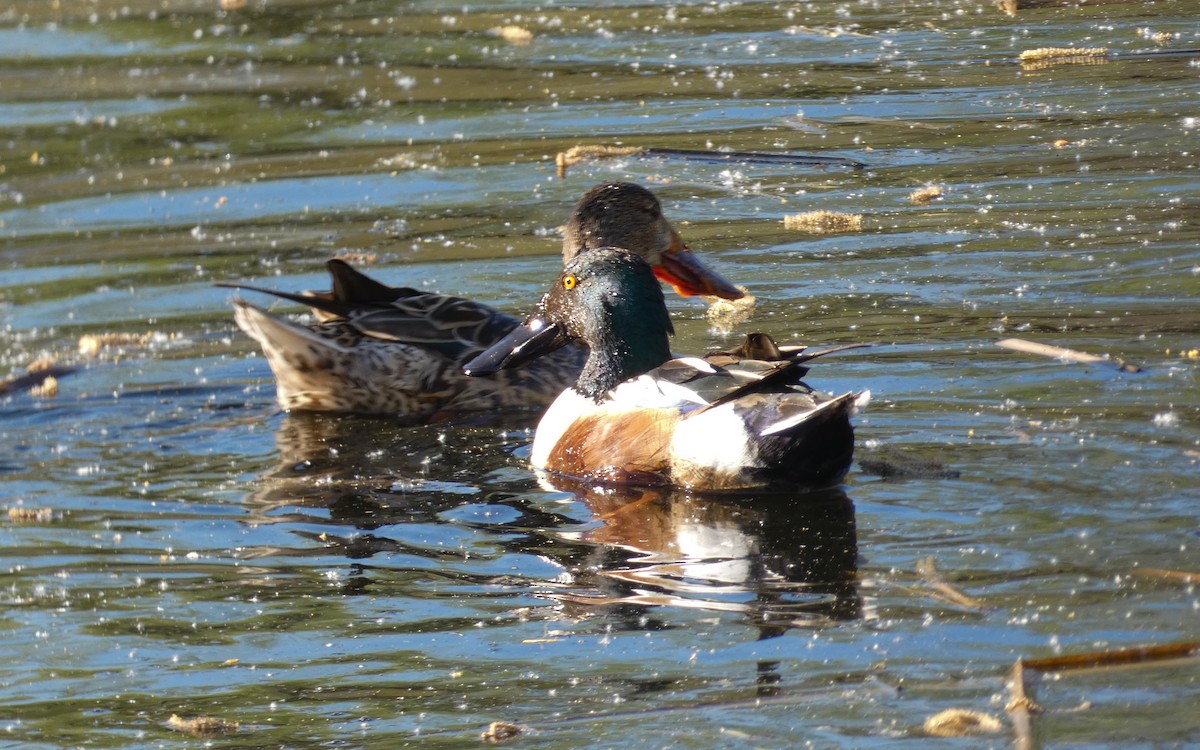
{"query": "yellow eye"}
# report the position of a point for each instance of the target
(569, 282)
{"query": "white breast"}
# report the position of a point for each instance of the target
(642, 392)
(716, 439)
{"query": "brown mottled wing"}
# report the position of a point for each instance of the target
(453, 326)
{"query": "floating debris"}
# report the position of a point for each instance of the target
(202, 726)
(38, 373)
(925, 195)
(725, 314)
(93, 343)
(1065, 355)
(358, 258)
(961, 722)
(513, 34)
(500, 731)
(823, 222)
(1044, 57)
(48, 388)
(21, 514)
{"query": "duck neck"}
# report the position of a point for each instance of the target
(628, 348)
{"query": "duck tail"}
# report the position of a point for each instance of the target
(280, 337)
(814, 447)
(818, 418)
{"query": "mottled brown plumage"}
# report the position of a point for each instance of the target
(379, 349)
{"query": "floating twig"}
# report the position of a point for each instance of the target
(928, 572)
(1159, 574)
(576, 154)
(1066, 355)
(1116, 657)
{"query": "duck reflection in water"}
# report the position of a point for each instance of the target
(783, 560)
(367, 472)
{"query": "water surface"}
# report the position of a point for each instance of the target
(342, 581)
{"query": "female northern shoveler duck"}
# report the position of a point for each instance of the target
(378, 349)
(636, 415)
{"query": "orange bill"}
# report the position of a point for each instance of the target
(689, 276)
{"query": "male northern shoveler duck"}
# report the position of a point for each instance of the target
(635, 415)
(378, 349)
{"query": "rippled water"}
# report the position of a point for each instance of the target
(356, 582)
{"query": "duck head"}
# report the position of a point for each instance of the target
(606, 298)
(622, 214)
